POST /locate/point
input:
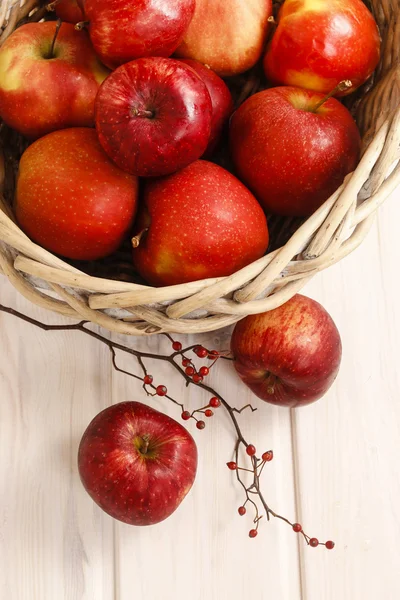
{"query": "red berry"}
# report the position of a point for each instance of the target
(330, 545)
(186, 362)
(268, 456)
(204, 371)
(185, 415)
(201, 352)
(148, 379)
(232, 466)
(177, 346)
(189, 371)
(250, 450)
(208, 413)
(197, 378)
(200, 424)
(213, 354)
(253, 533)
(314, 542)
(241, 511)
(161, 390)
(215, 402)
(297, 528)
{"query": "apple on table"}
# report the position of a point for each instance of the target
(289, 356)
(136, 463)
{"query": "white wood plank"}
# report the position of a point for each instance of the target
(203, 551)
(348, 443)
(53, 543)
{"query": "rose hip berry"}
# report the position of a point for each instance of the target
(177, 346)
(197, 378)
(297, 528)
(314, 542)
(201, 352)
(148, 379)
(241, 511)
(185, 415)
(232, 466)
(268, 456)
(208, 413)
(200, 424)
(250, 450)
(186, 362)
(204, 371)
(253, 533)
(215, 402)
(161, 390)
(330, 545)
(189, 371)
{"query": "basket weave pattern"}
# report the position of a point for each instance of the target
(332, 232)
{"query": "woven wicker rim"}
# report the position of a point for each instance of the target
(331, 233)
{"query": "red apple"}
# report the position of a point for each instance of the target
(200, 222)
(319, 43)
(153, 116)
(122, 30)
(292, 155)
(228, 36)
(71, 199)
(43, 90)
(136, 463)
(289, 356)
(69, 11)
(221, 100)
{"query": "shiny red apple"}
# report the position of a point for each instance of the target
(289, 356)
(221, 100)
(43, 88)
(319, 43)
(71, 199)
(198, 223)
(292, 152)
(153, 116)
(136, 463)
(69, 11)
(123, 30)
(227, 35)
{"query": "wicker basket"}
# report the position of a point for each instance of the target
(335, 230)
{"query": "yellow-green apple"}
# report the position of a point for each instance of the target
(319, 43)
(289, 356)
(71, 199)
(46, 86)
(153, 116)
(69, 11)
(292, 148)
(227, 36)
(221, 100)
(136, 463)
(122, 30)
(198, 223)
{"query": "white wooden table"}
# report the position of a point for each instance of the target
(336, 466)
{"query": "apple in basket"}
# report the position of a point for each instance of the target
(289, 356)
(293, 148)
(122, 30)
(198, 223)
(71, 199)
(69, 11)
(136, 463)
(319, 43)
(221, 100)
(48, 81)
(153, 116)
(227, 35)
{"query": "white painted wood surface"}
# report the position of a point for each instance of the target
(335, 467)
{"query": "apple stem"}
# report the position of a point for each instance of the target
(135, 241)
(145, 446)
(341, 87)
(81, 25)
(58, 27)
(142, 113)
